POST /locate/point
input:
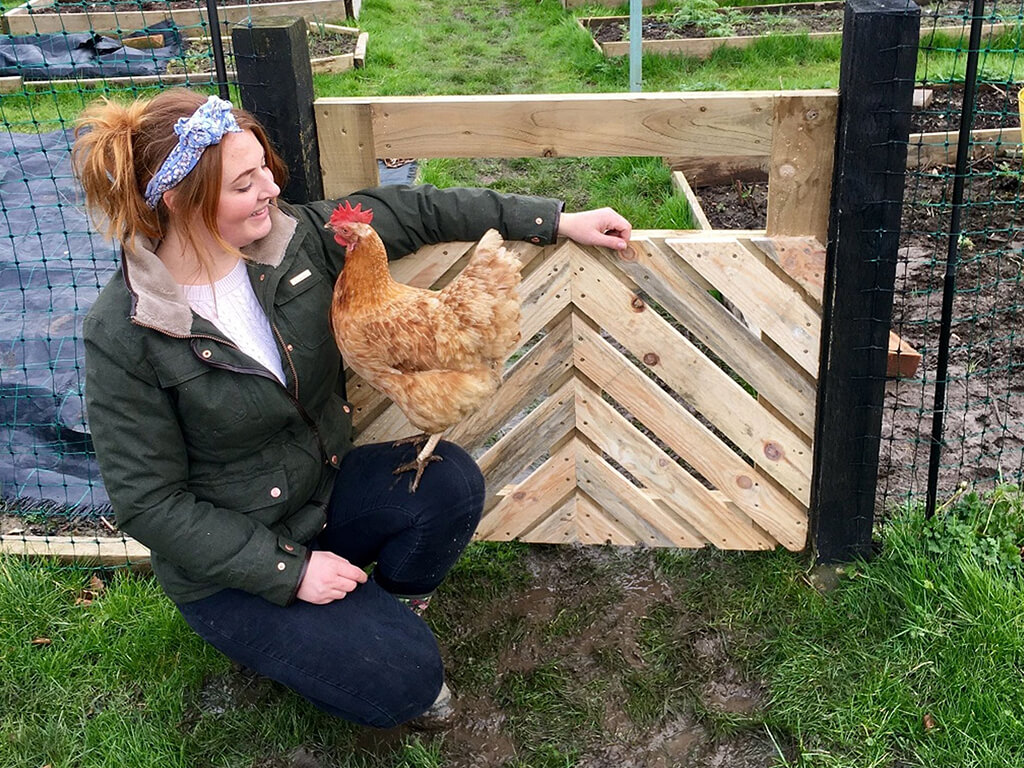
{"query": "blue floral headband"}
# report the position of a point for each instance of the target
(206, 127)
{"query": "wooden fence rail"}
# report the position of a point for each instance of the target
(794, 129)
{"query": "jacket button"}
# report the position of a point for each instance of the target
(275, 492)
(289, 548)
(539, 220)
(534, 239)
(346, 409)
(206, 354)
(262, 278)
(281, 566)
(334, 459)
(289, 347)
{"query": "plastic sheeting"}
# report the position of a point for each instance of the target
(52, 267)
(85, 54)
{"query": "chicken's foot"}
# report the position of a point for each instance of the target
(423, 458)
(412, 439)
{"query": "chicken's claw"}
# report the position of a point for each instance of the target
(423, 458)
(419, 465)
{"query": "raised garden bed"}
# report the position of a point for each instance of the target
(332, 49)
(49, 16)
(739, 27)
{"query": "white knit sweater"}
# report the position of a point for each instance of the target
(231, 305)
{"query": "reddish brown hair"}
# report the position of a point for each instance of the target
(118, 148)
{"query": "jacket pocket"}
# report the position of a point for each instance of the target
(262, 495)
(208, 400)
(303, 306)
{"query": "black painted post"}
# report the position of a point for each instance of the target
(876, 84)
(276, 84)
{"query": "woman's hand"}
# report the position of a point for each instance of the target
(328, 578)
(603, 226)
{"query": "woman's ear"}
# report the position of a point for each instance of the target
(169, 198)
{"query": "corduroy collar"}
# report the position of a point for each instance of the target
(158, 301)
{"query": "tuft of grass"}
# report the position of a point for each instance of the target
(915, 658)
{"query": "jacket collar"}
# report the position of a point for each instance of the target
(158, 301)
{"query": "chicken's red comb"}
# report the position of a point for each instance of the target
(346, 214)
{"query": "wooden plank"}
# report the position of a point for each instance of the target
(720, 170)
(655, 470)
(143, 43)
(20, 22)
(646, 521)
(776, 308)
(347, 158)
(545, 489)
(101, 551)
(566, 125)
(903, 359)
(684, 434)
(700, 382)
(923, 97)
(11, 84)
(546, 291)
(800, 169)
(359, 55)
(803, 259)
(662, 276)
(529, 440)
(680, 183)
(598, 525)
(940, 147)
(425, 267)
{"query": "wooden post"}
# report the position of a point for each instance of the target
(276, 84)
(876, 84)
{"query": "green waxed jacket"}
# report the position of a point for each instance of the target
(222, 471)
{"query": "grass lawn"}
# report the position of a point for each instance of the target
(565, 657)
(559, 655)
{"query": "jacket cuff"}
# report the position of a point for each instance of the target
(535, 220)
(302, 574)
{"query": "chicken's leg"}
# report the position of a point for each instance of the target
(424, 457)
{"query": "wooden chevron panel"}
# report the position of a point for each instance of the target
(641, 409)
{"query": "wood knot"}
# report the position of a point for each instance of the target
(548, 152)
(811, 114)
(744, 482)
(651, 359)
(773, 450)
(629, 253)
(638, 304)
(519, 496)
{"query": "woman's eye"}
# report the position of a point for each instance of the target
(246, 188)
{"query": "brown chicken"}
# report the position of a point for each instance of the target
(437, 354)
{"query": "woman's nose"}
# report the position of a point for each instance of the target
(271, 189)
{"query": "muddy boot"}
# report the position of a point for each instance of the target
(416, 603)
(440, 715)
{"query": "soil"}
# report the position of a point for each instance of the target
(105, 6)
(984, 406)
(994, 107)
(824, 17)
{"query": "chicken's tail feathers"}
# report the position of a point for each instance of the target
(492, 265)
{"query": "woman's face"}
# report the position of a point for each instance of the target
(246, 189)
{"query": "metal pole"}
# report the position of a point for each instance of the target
(218, 49)
(636, 46)
(953, 253)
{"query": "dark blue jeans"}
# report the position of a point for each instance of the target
(367, 658)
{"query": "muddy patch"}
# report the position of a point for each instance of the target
(596, 659)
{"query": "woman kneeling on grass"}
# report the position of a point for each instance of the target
(216, 401)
